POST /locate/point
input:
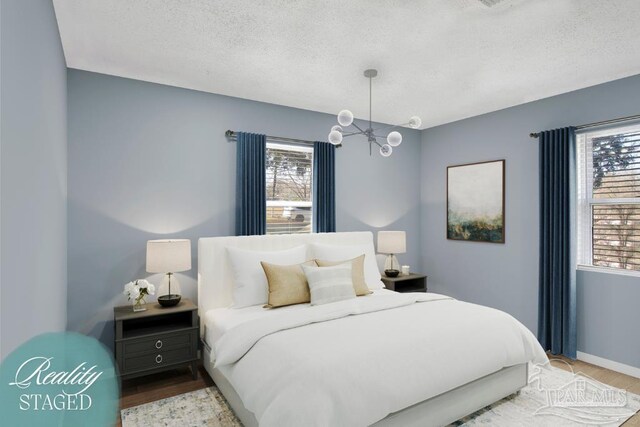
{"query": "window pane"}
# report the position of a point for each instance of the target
(616, 165)
(288, 219)
(289, 183)
(608, 208)
(616, 236)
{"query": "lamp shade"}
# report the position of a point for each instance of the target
(392, 242)
(168, 256)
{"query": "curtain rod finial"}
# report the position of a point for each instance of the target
(534, 135)
(229, 133)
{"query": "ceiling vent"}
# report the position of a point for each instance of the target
(490, 3)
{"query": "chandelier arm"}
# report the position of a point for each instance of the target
(358, 127)
(380, 136)
(352, 133)
(375, 141)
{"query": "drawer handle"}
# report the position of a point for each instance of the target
(159, 358)
(159, 344)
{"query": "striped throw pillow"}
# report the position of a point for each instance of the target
(357, 272)
(329, 284)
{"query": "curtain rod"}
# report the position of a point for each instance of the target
(232, 135)
(602, 123)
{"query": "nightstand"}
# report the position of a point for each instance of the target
(411, 282)
(157, 339)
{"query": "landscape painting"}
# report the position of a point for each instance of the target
(475, 202)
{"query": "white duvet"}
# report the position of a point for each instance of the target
(352, 363)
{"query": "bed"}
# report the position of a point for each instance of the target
(385, 359)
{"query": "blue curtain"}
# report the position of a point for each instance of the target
(251, 197)
(324, 187)
(557, 275)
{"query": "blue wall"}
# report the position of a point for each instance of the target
(33, 173)
(506, 276)
(149, 161)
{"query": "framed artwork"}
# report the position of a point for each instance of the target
(475, 202)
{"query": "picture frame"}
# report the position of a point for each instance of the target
(476, 202)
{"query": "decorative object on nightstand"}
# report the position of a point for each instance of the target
(391, 243)
(157, 339)
(169, 256)
(136, 291)
(405, 270)
(412, 282)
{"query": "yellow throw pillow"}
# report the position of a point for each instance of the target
(287, 284)
(357, 273)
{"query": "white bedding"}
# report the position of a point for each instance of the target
(218, 321)
(354, 362)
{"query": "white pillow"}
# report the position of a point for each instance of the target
(343, 252)
(250, 283)
(329, 284)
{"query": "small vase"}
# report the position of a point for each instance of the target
(139, 305)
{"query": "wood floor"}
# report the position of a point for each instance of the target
(172, 383)
(606, 376)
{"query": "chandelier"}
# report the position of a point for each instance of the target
(393, 138)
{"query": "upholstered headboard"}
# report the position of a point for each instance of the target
(215, 281)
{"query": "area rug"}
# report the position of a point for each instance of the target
(554, 398)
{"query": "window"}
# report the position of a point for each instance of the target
(608, 165)
(289, 187)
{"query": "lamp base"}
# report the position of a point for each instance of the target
(391, 273)
(169, 300)
(391, 262)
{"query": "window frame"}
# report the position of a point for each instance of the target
(585, 200)
(304, 148)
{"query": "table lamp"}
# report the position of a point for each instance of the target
(169, 256)
(391, 243)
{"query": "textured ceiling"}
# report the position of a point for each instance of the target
(442, 60)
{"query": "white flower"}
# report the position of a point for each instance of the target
(133, 290)
(134, 293)
(146, 285)
(127, 288)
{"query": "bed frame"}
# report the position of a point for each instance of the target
(215, 290)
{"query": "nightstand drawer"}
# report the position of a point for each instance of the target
(158, 359)
(158, 342)
(156, 339)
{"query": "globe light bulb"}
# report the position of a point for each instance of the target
(345, 118)
(337, 127)
(335, 137)
(386, 150)
(394, 138)
(415, 122)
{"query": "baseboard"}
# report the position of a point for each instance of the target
(609, 364)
